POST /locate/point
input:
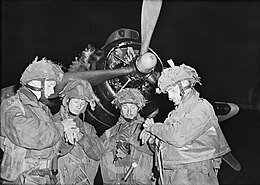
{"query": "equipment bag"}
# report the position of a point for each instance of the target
(13, 162)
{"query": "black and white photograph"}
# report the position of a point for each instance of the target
(147, 92)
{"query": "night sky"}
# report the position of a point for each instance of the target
(221, 40)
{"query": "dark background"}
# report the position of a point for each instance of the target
(219, 39)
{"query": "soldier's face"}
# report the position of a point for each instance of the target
(174, 94)
(129, 110)
(49, 87)
(76, 105)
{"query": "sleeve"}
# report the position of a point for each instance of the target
(30, 132)
(182, 131)
(91, 143)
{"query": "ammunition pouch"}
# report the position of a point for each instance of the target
(40, 172)
(32, 163)
(75, 170)
(13, 162)
(43, 173)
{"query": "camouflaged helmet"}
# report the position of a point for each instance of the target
(41, 70)
(175, 74)
(79, 89)
(129, 95)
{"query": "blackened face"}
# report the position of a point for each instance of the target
(129, 110)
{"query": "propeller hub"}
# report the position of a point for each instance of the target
(146, 63)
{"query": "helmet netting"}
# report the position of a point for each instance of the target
(80, 89)
(41, 70)
(174, 74)
(129, 95)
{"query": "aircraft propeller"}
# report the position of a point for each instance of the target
(150, 13)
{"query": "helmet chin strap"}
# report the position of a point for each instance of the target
(42, 99)
(182, 89)
(128, 119)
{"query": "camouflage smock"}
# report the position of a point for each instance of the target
(30, 135)
(113, 173)
(80, 164)
(191, 133)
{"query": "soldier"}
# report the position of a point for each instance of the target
(191, 139)
(79, 162)
(125, 161)
(29, 134)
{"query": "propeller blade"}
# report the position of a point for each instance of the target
(150, 13)
(94, 77)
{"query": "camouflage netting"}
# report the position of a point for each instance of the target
(170, 76)
(80, 89)
(82, 62)
(42, 69)
(129, 95)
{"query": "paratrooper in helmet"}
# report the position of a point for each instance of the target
(78, 163)
(190, 139)
(125, 160)
(29, 132)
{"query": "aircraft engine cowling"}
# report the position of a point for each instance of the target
(122, 50)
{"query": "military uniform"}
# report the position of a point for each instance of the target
(30, 138)
(79, 164)
(113, 173)
(192, 143)
(191, 139)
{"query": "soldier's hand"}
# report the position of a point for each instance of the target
(144, 136)
(79, 135)
(120, 154)
(152, 139)
(148, 122)
(71, 135)
(68, 124)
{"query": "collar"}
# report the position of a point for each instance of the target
(189, 99)
(27, 97)
(137, 120)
